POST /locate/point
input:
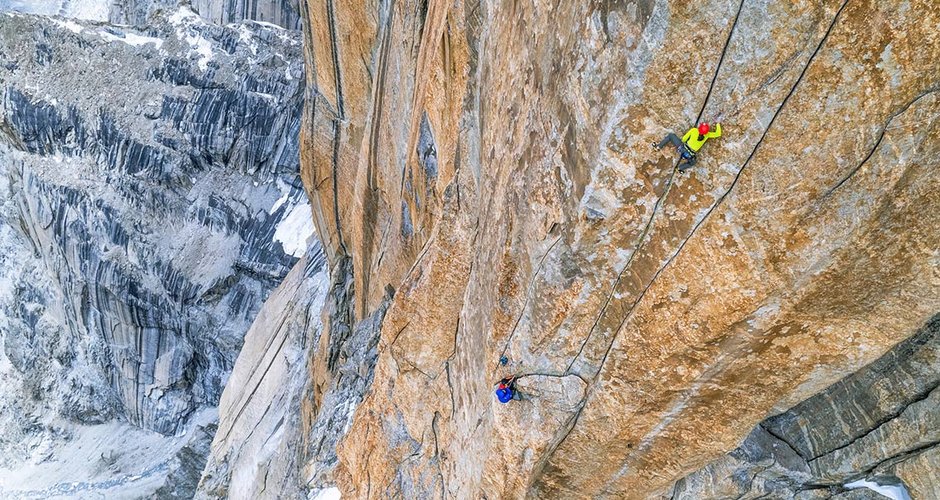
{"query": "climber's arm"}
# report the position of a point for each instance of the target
(688, 135)
(716, 133)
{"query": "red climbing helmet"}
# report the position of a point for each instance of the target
(703, 128)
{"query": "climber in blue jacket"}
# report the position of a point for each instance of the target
(506, 390)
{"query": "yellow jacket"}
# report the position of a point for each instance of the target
(694, 141)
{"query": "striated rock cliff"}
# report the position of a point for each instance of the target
(280, 12)
(151, 202)
(90, 10)
(283, 13)
(880, 423)
(654, 318)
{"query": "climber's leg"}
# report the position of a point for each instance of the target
(687, 163)
(673, 138)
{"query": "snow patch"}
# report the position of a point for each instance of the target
(295, 230)
(893, 491)
(184, 18)
(327, 494)
(203, 48)
(183, 14)
(131, 39)
(277, 204)
(111, 460)
(285, 195)
(69, 25)
(269, 25)
(138, 40)
(246, 36)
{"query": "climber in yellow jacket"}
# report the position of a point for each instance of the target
(691, 142)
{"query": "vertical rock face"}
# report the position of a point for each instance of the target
(283, 410)
(490, 161)
(283, 13)
(256, 453)
(146, 176)
(91, 10)
(280, 12)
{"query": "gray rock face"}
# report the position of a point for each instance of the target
(762, 463)
(137, 12)
(92, 10)
(188, 463)
(881, 423)
(255, 451)
(281, 12)
(284, 13)
(278, 427)
(902, 381)
(351, 352)
(144, 177)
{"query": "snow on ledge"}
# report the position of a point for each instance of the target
(185, 19)
(266, 24)
(893, 491)
(69, 25)
(295, 230)
(326, 494)
(109, 35)
(131, 39)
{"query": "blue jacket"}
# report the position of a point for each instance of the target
(504, 395)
